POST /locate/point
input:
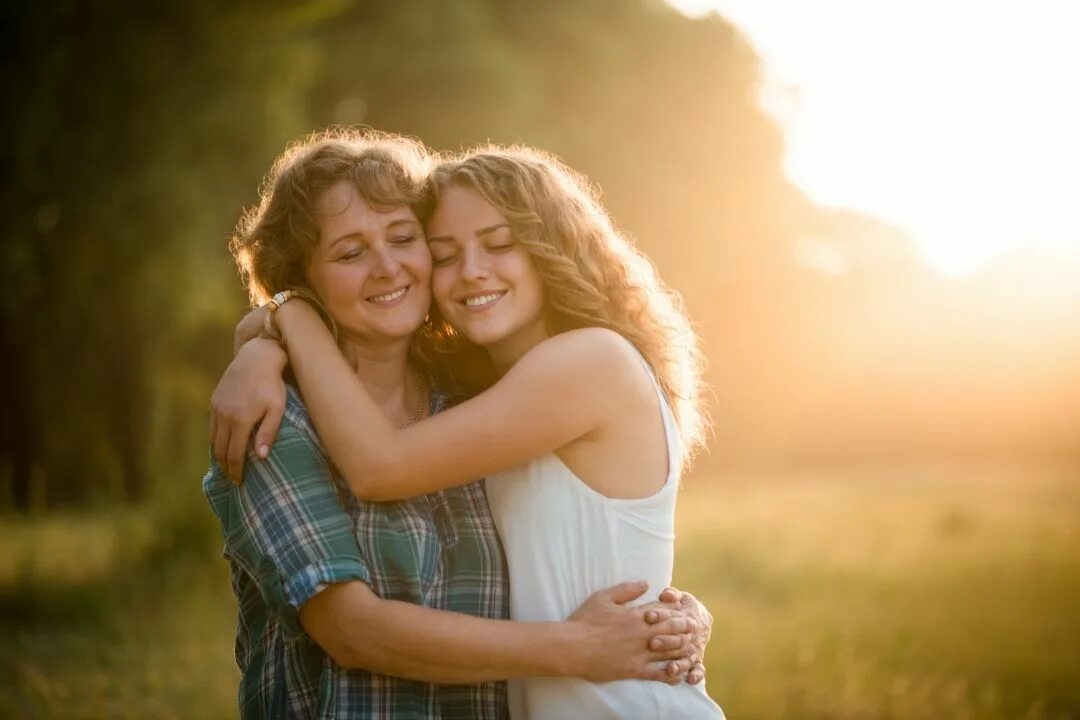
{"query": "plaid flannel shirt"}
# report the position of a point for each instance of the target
(293, 528)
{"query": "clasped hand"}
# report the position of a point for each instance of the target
(662, 640)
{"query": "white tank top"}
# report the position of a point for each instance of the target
(564, 541)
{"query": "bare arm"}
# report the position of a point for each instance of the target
(250, 326)
(287, 517)
(250, 396)
(559, 391)
(603, 640)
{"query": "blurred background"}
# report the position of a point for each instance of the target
(870, 209)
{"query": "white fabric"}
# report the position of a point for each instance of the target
(564, 541)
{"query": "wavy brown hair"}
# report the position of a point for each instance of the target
(274, 239)
(593, 275)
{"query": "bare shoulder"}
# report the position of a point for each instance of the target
(595, 342)
(594, 351)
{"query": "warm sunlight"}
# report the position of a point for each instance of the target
(836, 241)
(956, 120)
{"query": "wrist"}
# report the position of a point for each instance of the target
(267, 352)
(249, 327)
(290, 314)
(303, 302)
(567, 647)
(272, 349)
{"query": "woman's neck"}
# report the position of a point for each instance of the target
(511, 349)
(384, 373)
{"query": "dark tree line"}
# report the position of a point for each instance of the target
(136, 133)
(132, 133)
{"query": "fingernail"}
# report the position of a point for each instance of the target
(264, 450)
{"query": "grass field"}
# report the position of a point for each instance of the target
(908, 593)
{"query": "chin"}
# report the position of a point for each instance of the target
(483, 336)
(400, 332)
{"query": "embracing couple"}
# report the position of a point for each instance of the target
(449, 445)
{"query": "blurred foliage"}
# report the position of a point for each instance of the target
(136, 134)
(139, 133)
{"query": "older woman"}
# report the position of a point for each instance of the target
(352, 608)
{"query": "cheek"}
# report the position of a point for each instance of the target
(529, 277)
(442, 283)
(418, 260)
(319, 283)
(340, 281)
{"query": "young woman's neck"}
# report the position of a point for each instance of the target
(509, 350)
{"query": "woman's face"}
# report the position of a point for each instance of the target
(371, 268)
(484, 282)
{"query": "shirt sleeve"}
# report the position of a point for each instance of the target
(285, 526)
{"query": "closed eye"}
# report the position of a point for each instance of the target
(443, 260)
(402, 240)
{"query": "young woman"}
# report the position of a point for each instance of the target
(402, 595)
(582, 437)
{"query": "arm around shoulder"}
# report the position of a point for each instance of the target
(561, 390)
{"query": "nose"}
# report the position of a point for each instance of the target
(384, 264)
(474, 263)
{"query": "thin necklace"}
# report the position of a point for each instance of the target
(420, 390)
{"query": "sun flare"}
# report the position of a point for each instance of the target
(957, 121)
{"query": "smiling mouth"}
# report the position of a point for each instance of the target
(388, 297)
(476, 302)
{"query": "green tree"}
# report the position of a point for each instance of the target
(139, 130)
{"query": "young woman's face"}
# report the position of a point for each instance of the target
(484, 282)
(371, 268)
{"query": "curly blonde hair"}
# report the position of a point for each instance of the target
(593, 275)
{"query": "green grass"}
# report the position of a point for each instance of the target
(115, 616)
(908, 593)
(915, 593)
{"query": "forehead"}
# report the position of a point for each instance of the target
(462, 210)
(340, 210)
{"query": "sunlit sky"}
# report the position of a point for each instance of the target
(958, 120)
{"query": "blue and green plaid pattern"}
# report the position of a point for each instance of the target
(292, 528)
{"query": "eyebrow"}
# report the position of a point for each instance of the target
(360, 235)
(479, 233)
(491, 228)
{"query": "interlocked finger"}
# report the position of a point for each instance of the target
(676, 625)
(668, 642)
(660, 614)
(696, 674)
(677, 670)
